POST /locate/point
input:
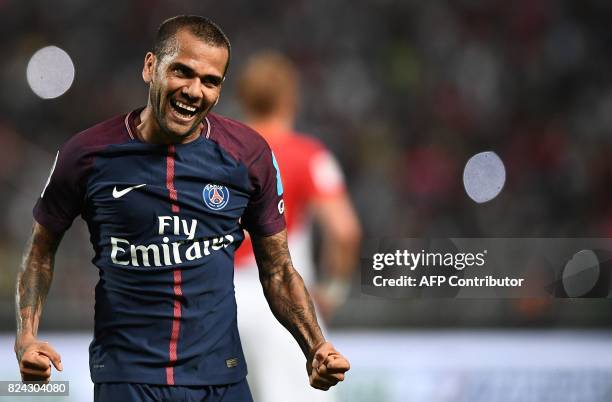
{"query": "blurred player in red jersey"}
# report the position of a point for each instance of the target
(313, 189)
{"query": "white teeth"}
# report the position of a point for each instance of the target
(187, 107)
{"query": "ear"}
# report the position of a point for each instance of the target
(148, 70)
(219, 97)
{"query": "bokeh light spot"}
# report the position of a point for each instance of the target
(484, 176)
(581, 273)
(50, 72)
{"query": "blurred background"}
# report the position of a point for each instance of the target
(403, 93)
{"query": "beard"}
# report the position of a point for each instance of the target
(160, 113)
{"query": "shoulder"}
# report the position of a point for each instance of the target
(298, 149)
(323, 169)
(108, 132)
(306, 140)
(239, 140)
(309, 144)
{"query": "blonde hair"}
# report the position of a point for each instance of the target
(267, 80)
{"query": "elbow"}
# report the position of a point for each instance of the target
(278, 279)
(347, 237)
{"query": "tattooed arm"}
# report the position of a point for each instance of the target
(291, 304)
(33, 282)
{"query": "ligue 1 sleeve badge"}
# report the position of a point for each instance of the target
(215, 196)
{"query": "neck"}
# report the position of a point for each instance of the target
(272, 126)
(149, 130)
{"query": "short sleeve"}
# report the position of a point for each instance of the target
(62, 198)
(264, 215)
(326, 176)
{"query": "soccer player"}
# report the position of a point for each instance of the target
(166, 191)
(313, 189)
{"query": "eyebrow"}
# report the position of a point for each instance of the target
(190, 71)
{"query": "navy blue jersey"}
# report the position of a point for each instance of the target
(165, 221)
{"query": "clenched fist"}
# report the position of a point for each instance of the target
(35, 359)
(326, 367)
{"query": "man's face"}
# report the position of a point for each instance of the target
(185, 84)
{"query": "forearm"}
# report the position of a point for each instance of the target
(339, 257)
(339, 251)
(33, 282)
(285, 292)
(292, 306)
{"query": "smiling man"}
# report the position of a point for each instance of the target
(166, 191)
(185, 73)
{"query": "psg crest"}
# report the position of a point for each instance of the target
(215, 196)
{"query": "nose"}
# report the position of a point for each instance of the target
(193, 91)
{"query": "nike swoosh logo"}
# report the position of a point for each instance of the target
(121, 193)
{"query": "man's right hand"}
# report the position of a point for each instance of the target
(35, 359)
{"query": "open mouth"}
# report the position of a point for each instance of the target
(183, 110)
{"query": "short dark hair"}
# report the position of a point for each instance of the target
(201, 27)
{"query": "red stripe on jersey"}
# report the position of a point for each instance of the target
(170, 178)
(178, 291)
(176, 325)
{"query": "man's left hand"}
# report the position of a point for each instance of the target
(326, 367)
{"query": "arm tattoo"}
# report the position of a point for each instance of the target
(34, 279)
(285, 291)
